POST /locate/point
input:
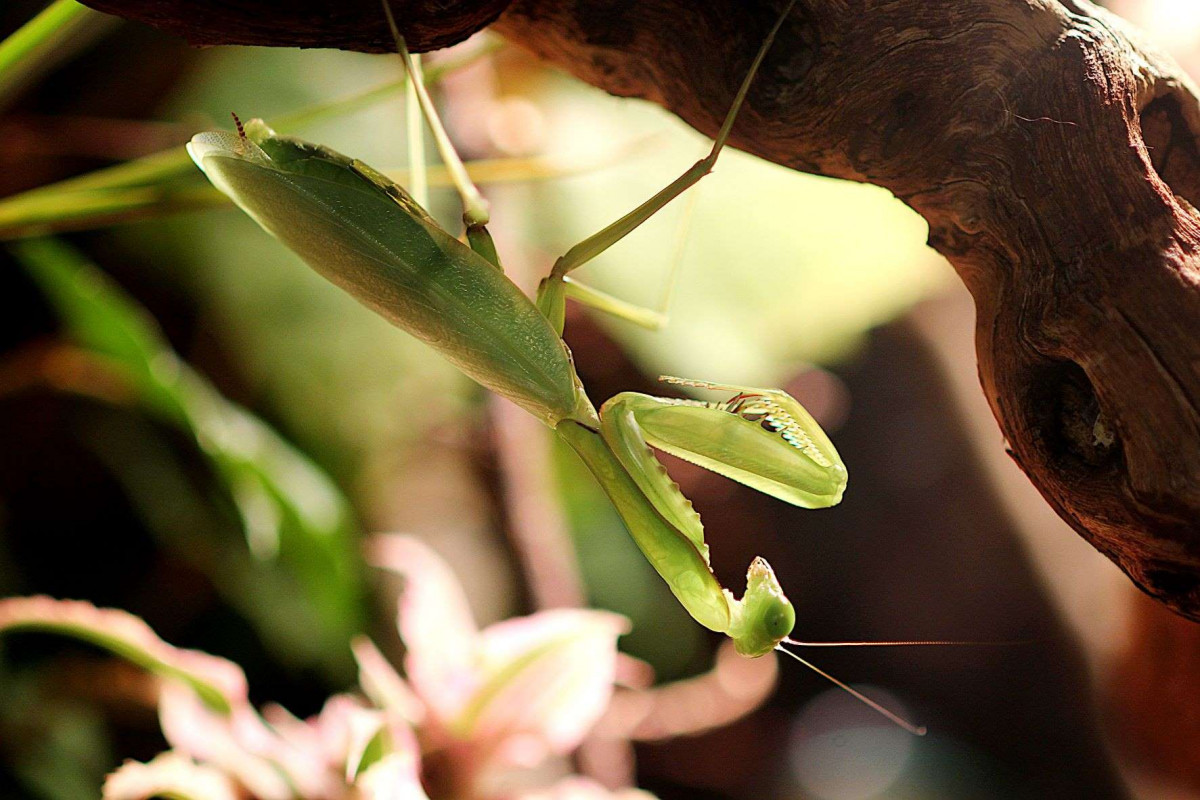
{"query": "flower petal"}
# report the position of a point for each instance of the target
(577, 788)
(168, 775)
(393, 777)
(219, 683)
(369, 742)
(307, 737)
(233, 744)
(327, 738)
(383, 685)
(435, 623)
(548, 676)
(384, 762)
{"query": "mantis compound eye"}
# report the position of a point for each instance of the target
(764, 617)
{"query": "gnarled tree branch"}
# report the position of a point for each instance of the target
(1054, 155)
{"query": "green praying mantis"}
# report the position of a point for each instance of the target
(370, 237)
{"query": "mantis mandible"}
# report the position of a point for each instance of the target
(369, 236)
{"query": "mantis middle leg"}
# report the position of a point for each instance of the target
(553, 291)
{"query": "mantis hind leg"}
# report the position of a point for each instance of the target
(415, 137)
(475, 208)
(552, 293)
(652, 319)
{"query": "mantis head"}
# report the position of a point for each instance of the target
(764, 616)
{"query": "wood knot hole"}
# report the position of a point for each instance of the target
(1171, 145)
(1073, 425)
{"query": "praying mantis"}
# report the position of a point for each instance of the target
(370, 237)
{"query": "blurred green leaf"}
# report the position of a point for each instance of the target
(298, 525)
(60, 749)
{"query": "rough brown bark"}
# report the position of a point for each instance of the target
(1056, 160)
(347, 25)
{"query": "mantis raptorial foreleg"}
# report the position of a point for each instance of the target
(552, 292)
(762, 438)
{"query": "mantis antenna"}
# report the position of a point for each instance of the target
(915, 730)
(916, 643)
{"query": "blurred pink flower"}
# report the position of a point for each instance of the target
(511, 694)
(168, 775)
(222, 748)
(280, 757)
(576, 788)
(486, 703)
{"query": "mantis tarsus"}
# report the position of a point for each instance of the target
(370, 237)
